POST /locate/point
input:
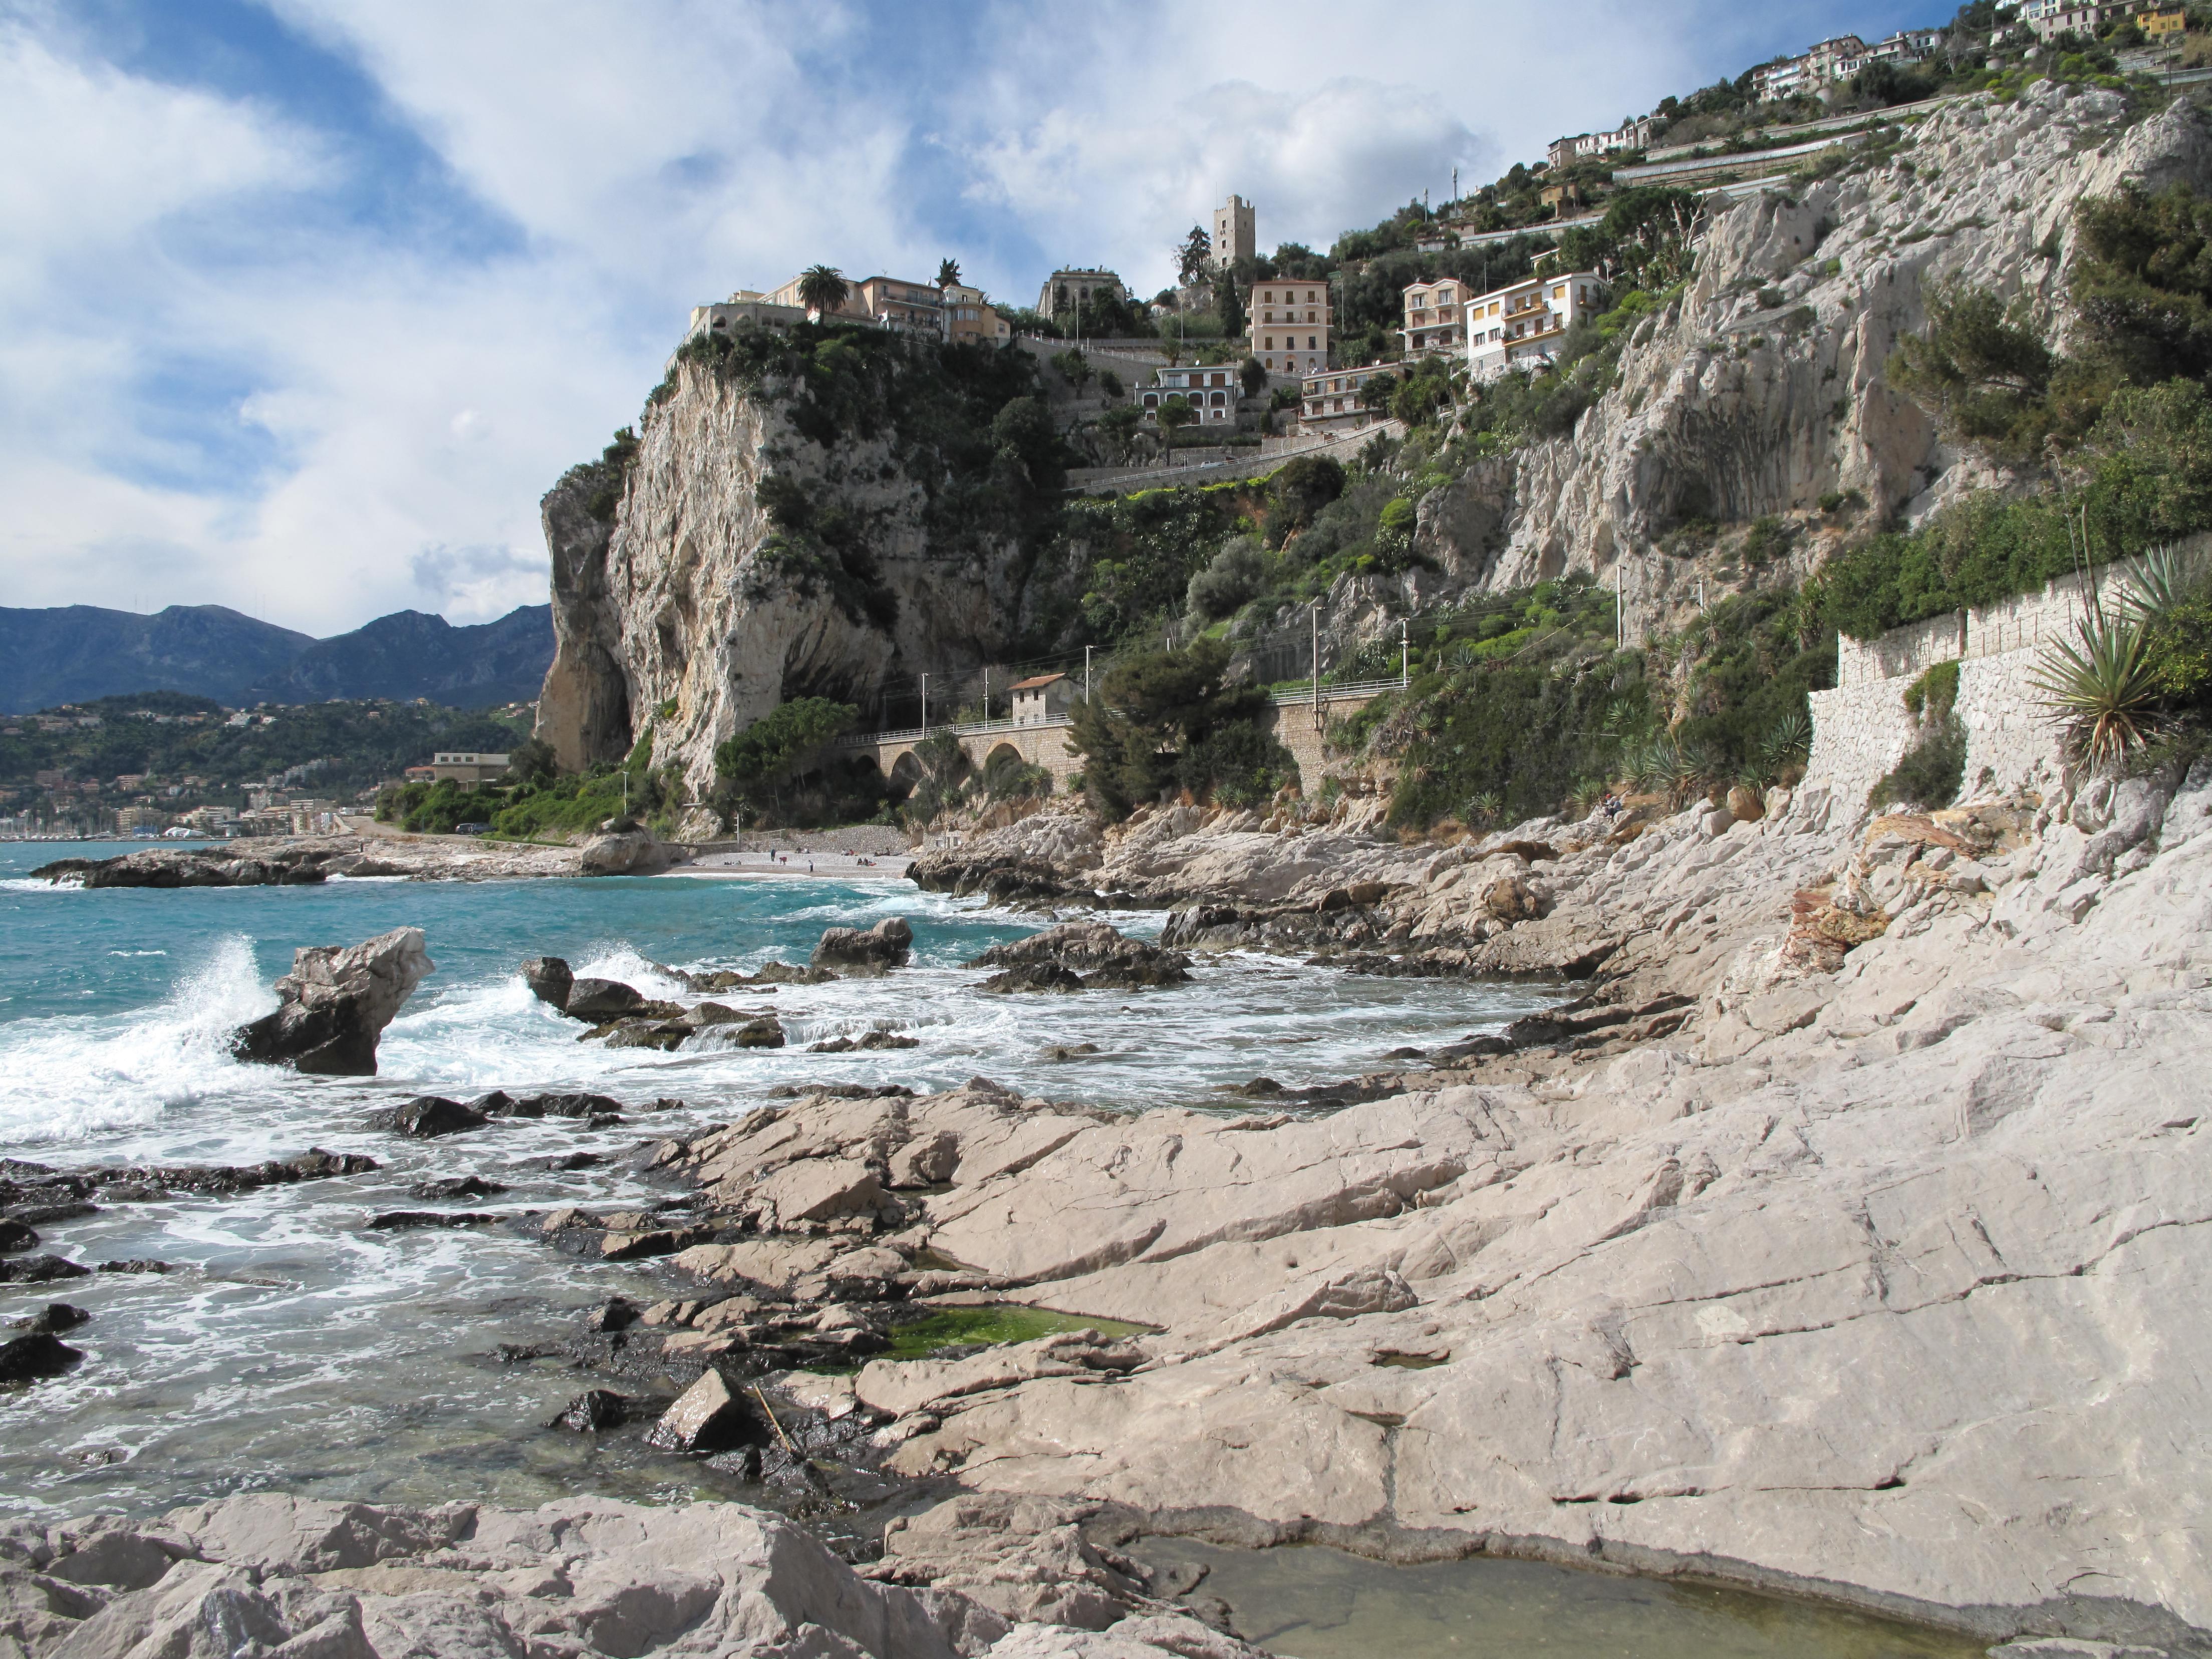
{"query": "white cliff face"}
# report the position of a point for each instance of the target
(682, 619)
(1729, 408)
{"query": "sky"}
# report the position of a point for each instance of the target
(304, 304)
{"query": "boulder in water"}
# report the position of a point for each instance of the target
(428, 1116)
(39, 1269)
(886, 944)
(706, 1417)
(30, 1358)
(53, 1319)
(549, 980)
(601, 999)
(335, 1004)
(16, 1237)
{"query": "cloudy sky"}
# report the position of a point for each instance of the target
(303, 304)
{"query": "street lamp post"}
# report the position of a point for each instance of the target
(925, 705)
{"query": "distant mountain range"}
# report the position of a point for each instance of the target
(73, 652)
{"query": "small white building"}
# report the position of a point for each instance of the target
(1521, 327)
(745, 306)
(1042, 700)
(1330, 402)
(465, 766)
(1211, 391)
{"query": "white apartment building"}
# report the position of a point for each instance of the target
(2052, 18)
(1434, 319)
(1905, 46)
(1331, 401)
(1289, 330)
(1632, 134)
(1213, 391)
(1815, 70)
(1521, 327)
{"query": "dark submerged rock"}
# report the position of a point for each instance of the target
(28, 1358)
(40, 1270)
(53, 1319)
(598, 1000)
(426, 1117)
(548, 979)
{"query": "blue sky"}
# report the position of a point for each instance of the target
(304, 304)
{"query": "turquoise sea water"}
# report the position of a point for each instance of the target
(292, 1348)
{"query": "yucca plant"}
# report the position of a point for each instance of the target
(2154, 584)
(2104, 684)
(1787, 744)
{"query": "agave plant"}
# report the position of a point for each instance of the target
(1484, 809)
(2154, 584)
(2104, 684)
(1788, 743)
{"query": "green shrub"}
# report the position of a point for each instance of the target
(1168, 718)
(1932, 771)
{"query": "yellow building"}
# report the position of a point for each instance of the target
(1289, 330)
(1435, 317)
(2164, 26)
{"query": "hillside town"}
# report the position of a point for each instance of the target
(1248, 350)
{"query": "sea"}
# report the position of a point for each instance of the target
(290, 1348)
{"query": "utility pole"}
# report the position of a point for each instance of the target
(1405, 638)
(986, 696)
(1086, 673)
(925, 705)
(1315, 613)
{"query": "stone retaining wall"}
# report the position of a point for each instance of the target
(1862, 729)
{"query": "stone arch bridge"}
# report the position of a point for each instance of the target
(1297, 721)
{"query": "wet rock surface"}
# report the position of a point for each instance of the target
(887, 945)
(1081, 956)
(335, 1004)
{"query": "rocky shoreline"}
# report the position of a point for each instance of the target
(1800, 1251)
(1831, 1236)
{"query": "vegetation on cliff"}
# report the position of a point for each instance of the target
(2118, 430)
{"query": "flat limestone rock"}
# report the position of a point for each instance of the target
(347, 1581)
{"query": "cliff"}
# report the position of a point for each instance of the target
(1762, 387)
(798, 519)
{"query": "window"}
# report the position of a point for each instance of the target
(1312, 344)
(1269, 346)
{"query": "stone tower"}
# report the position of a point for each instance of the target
(1235, 233)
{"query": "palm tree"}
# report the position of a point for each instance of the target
(948, 273)
(823, 289)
